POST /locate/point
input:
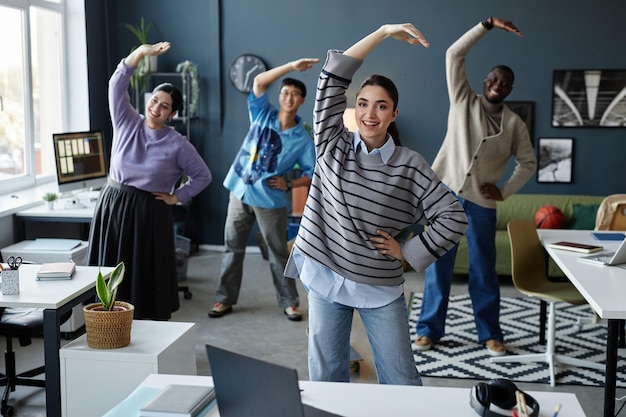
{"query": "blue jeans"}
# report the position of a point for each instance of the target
(273, 226)
(484, 285)
(388, 333)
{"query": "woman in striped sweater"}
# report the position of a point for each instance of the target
(366, 189)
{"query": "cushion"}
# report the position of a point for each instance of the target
(585, 216)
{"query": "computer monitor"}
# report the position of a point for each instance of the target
(80, 160)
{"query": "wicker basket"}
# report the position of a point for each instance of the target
(108, 329)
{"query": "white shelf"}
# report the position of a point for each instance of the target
(161, 347)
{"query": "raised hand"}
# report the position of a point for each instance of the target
(304, 64)
(505, 25)
(405, 32)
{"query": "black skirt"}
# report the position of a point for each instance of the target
(130, 225)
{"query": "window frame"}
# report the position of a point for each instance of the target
(75, 96)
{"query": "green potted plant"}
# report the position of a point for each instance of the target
(140, 80)
(50, 198)
(108, 323)
(189, 71)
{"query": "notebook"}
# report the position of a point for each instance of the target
(608, 258)
(249, 387)
(616, 236)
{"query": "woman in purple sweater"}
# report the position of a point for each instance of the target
(133, 221)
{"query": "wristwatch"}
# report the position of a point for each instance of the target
(289, 185)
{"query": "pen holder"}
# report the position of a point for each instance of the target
(10, 281)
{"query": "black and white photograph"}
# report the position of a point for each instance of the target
(555, 159)
(589, 98)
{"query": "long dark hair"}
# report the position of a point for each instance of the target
(390, 88)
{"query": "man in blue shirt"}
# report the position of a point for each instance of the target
(275, 143)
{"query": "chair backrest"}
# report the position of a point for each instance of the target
(612, 213)
(528, 259)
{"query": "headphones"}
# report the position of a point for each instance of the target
(499, 392)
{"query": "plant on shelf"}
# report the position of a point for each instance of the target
(189, 71)
(140, 80)
(108, 323)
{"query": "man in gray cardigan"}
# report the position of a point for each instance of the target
(483, 134)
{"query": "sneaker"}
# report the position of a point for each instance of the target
(293, 313)
(423, 343)
(219, 310)
(495, 347)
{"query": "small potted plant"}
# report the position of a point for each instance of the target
(108, 323)
(50, 198)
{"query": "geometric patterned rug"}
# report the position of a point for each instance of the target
(458, 354)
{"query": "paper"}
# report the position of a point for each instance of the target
(41, 244)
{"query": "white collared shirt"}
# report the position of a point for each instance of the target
(334, 287)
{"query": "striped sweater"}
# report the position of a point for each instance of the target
(354, 194)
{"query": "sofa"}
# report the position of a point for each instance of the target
(579, 212)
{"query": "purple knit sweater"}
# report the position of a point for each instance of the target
(151, 160)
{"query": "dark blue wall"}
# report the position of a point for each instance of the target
(558, 34)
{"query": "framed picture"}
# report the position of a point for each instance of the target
(525, 110)
(555, 158)
(589, 98)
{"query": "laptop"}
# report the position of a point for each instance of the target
(608, 258)
(249, 387)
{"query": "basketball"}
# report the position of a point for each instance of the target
(548, 217)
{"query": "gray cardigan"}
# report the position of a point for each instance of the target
(468, 156)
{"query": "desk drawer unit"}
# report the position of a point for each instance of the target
(156, 347)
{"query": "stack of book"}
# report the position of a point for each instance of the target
(56, 270)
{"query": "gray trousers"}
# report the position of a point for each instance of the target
(273, 226)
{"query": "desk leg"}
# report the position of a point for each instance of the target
(52, 345)
(611, 368)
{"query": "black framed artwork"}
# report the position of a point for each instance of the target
(555, 158)
(589, 98)
(525, 110)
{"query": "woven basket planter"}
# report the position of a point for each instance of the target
(108, 329)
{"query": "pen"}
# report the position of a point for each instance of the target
(556, 412)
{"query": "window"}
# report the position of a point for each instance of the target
(33, 86)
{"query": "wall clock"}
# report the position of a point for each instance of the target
(244, 69)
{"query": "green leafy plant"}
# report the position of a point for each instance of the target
(107, 291)
(50, 196)
(140, 80)
(189, 70)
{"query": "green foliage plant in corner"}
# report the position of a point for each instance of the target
(107, 292)
(189, 70)
(140, 80)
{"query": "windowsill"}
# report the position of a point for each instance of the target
(11, 203)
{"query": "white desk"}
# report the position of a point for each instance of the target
(41, 213)
(57, 298)
(603, 287)
(366, 400)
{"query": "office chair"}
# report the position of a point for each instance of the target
(530, 278)
(612, 213)
(21, 324)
